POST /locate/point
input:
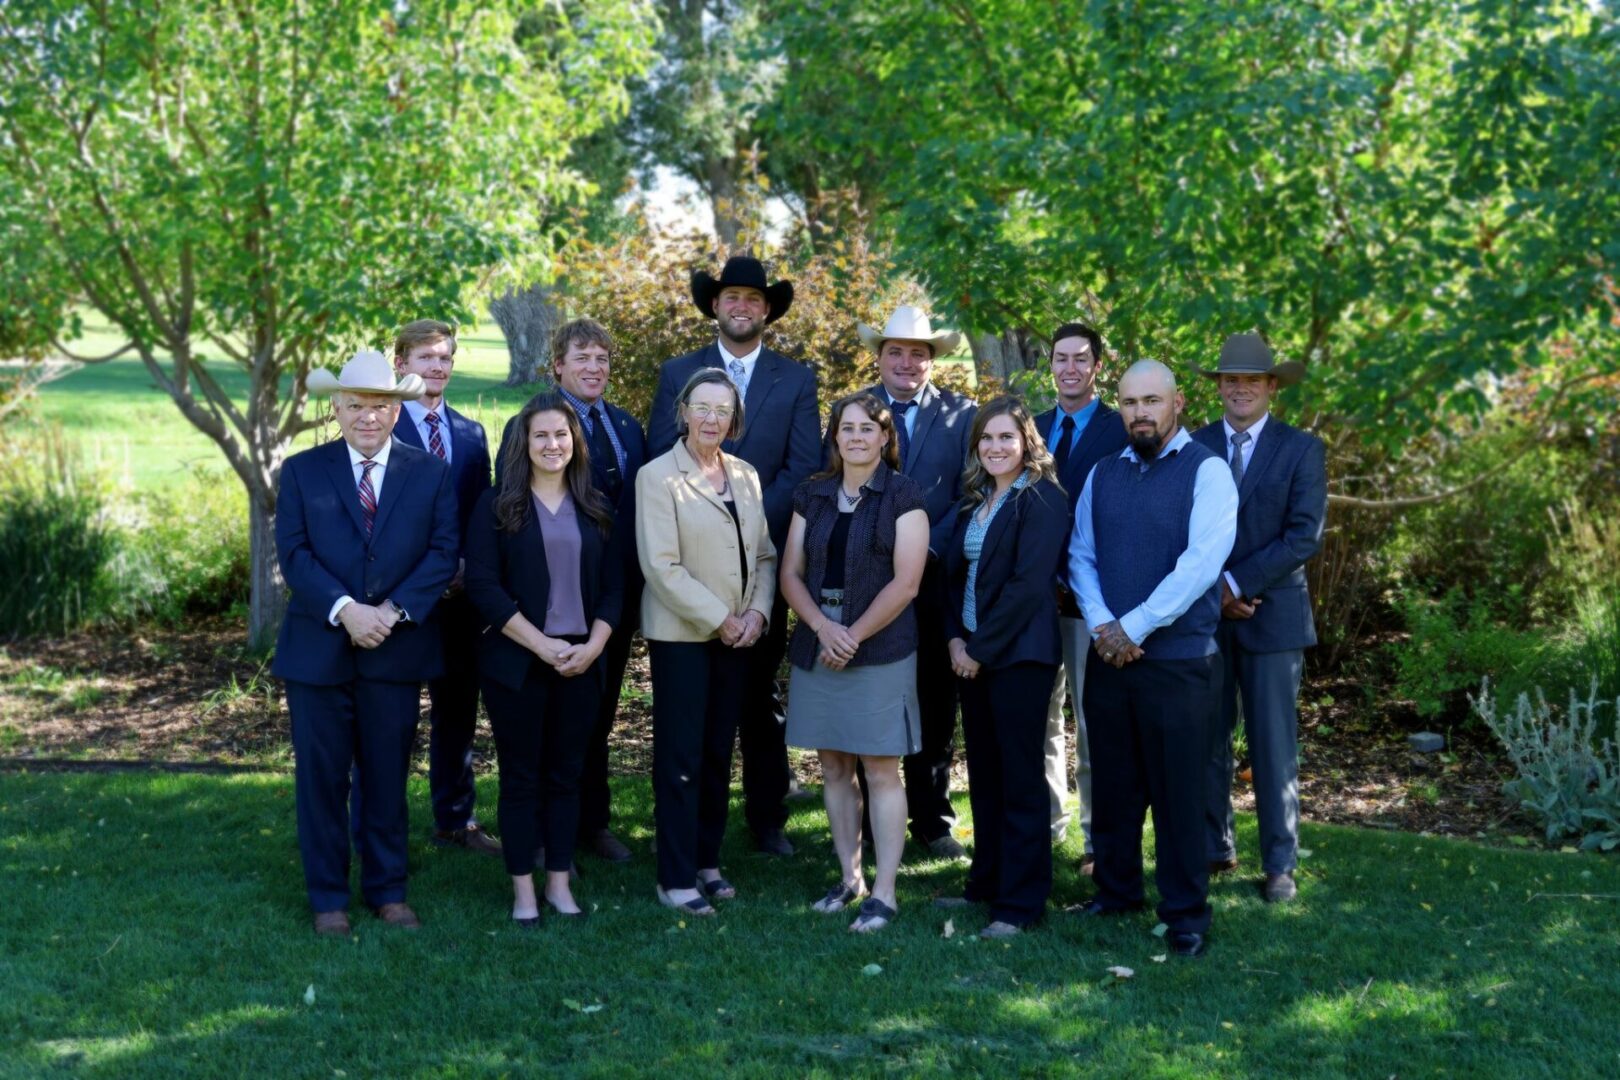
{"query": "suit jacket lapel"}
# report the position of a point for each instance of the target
(342, 476)
(395, 477)
(766, 372)
(1082, 445)
(998, 526)
(405, 429)
(695, 478)
(928, 407)
(1264, 449)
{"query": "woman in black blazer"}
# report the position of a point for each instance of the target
(545, 574)
(1001, 560)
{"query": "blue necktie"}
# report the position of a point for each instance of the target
(901, 435)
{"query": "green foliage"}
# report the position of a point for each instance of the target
(190, 544)
(1567, 777)
(1454, 644)
(55, 544)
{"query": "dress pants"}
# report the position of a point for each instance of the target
(367, 726)
(928, 772)
(1268, 684)
(1003, 721)
(541, 730)
(453, 719)
(697, 700)
(595, 808)
(763, 721)
(1069, 686)
(1149, 729)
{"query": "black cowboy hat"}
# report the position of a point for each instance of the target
(744, 272)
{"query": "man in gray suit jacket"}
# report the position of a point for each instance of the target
(1266, 623)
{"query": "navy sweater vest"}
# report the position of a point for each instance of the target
(1139, 518)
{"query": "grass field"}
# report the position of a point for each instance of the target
(154, 925)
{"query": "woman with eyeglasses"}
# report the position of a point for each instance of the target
(706, 553)
(852, 564)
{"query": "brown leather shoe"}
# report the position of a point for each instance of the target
(1223, 866)
(607, 846)
(1279, 888)
(332, 923)
(400, 915)
(473, 838)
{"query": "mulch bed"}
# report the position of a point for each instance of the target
(192, 696)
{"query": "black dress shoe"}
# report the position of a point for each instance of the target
(1096, 908)
(773, 842)
(1186, 943)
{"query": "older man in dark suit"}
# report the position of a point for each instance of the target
(427, 348)
(781, 440)
(367, 538)
(581, 364)
(1079, 431)
(933, 427)
(1266, 624)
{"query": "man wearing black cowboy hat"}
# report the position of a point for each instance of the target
(781, 439)
(1266, 623)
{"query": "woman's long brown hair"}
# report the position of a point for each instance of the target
(514, 505)
(978, 484)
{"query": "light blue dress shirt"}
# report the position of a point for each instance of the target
(418, 416)
(1082, 417)
(1211, 532)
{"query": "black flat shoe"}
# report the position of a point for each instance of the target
(718, 889)
(531, 923)
(559, 913)
(698, 905)
(1186, 943)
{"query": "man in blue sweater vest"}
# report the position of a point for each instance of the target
(1152, 529)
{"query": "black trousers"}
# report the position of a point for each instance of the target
(1149, 726)
(1004, 723)
(763, 732)
(541, 733)
(595, 806)
(453, 718)
(928, 772)
(697, 699)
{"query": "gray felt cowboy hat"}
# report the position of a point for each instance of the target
(1248, 354)
(369, 372)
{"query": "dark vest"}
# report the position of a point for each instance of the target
(1139, 518)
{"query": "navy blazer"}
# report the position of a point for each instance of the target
(325, 554)
(469, 457)
(781, 435)
(507, 574)
(1282, 504)
(937, 453)
(1103, 436)
(1013, 594)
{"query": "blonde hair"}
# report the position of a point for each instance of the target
(423, 332)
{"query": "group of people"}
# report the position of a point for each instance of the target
(938, 556)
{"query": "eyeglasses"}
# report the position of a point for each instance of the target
(711, 412)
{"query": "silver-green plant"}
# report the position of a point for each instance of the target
(1567, 777)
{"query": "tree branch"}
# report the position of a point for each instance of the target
(115, 354)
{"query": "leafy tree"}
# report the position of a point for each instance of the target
(260, 186)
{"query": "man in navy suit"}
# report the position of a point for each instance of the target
(367, 538)
(933, 427)
(781, 439)
(581, 363)
(1079, 431)
(427, 348)
(1266, 624)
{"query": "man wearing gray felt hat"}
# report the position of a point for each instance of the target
(1266, 623)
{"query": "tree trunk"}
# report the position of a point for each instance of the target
(527, 319)
(721, 175)
(1002, 356)
(267, 600)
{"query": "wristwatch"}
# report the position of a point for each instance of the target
(399, 612)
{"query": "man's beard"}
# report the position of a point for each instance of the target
(1146, 443)
(726, 331)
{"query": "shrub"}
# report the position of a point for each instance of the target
(54, 543)
(1566, 776)
(1454, 644)
(188, 547)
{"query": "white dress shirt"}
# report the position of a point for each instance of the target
(1248, 458)
(1211, 531)
(418, 414)
(356, 461)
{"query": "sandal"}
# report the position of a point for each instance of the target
(695, 906)
(838, 898)
(875, 915)
(718, 889)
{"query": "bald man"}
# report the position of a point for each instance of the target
(1152, 530)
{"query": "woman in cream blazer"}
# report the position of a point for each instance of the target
(710, 566)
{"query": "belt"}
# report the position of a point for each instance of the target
(832, 598)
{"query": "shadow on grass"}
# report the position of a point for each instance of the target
(156, 925)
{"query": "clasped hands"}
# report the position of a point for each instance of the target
(1115, 646)
(368, 626)
(568, 660)
(838, 645)
(741, 631)
(1234, 606)
(961, 663)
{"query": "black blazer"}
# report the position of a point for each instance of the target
(469, 457)
(781, 435)
(507, 574)
(1104, 436)
(1014, 598)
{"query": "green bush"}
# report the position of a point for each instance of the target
(55, 544)
(189, 548)
(1456, 643)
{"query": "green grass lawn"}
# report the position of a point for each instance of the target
(154, 925)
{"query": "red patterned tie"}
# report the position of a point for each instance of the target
(368, 497)
(435, 443)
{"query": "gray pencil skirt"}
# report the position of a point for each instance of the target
(859, 710)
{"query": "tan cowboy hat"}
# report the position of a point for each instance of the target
(909, 324)
(1248, 354)
(368, 373)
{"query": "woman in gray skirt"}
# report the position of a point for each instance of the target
(850, 568)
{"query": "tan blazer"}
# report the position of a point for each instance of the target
(688, 548)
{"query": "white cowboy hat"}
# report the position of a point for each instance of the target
(909, 324)
(368, 373)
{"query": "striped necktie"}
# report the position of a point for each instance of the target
(1238, 464)
(368, 496)
(435, 441)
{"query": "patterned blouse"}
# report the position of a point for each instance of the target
(973, 543)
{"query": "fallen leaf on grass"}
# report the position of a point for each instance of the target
(950, 929)
(1303, 852)
(1161, 930)
(1120, 972)
(1161, 958)
(872, 969)
(570, 1003)
(309, 995)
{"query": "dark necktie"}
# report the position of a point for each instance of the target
(1238, 464)
(1060, 452)
(368, 496)
(901, 436)
(604, 462)
(435, 440)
